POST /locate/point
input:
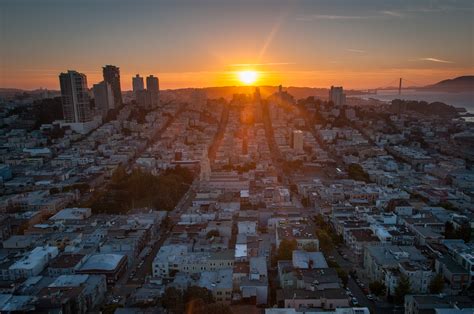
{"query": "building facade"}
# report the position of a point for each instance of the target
(112, 76)
(75, 97)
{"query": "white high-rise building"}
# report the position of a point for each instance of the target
(298, 141)
(75, 97)
(104, 97)
(337, 96)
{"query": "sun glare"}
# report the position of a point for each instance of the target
(248, 77)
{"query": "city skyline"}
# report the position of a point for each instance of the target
(245, 156)
(297, 43)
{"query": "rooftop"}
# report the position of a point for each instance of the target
(103, 262)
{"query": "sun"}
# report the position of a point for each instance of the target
(248, 77)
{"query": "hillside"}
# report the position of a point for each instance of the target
(456, 85)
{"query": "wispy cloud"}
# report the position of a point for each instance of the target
(312, 17)
(392, 13)
(356, 50)
(260, 64)
(439, 8)
(435, 60)
(387, 14)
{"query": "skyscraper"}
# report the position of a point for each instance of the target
(152, 85)
(112, 76)
(137, 83)
(337, 96)
(104, 97)
(75, 97)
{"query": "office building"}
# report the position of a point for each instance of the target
(112, 76)
(137, 83)
(104, 98)
(143, 98)
(337, 96)
(75, 97)
(152, 85)
(298, 141)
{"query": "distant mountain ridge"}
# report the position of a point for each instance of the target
(458, 84)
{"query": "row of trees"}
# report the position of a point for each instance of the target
(196, 300)
(403, 288)
(42, 111)
(143, 189)
(245, 168)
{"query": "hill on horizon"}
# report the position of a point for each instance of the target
(456, 85)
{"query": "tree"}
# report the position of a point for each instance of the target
(463, 232)
(195, 292)
(341, 273)
(218, 308)
(377, 287)
(449, 230)
(310, 247)
(325, 241)
(172, 300)
(213, 233)
(402, 289)
(437, 284)
(356, 172)
(53, 191)
(286, 248)
(119, 175)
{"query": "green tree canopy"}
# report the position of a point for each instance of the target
(377, 287)
(356, 172)
(325, 240)
(403, 288)
(285, 250)
(173, 300)
(437, 284)
(212, 233)
(343, 276)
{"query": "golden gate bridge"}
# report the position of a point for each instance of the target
(397, 84)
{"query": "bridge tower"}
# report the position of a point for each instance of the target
(400, 87)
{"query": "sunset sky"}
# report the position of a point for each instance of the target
(357, 44)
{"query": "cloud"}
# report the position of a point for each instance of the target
(435, 60)
(312, 17)
(356, 50)
(392, 13)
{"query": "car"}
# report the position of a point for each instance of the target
(370, 297)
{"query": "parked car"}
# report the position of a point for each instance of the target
(370, 297)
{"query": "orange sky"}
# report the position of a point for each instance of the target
(363, 44)
(324, 78)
